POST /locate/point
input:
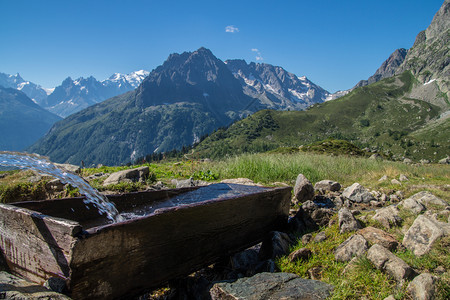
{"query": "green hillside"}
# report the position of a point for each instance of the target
(381, 116)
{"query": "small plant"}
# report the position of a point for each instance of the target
(206, 176)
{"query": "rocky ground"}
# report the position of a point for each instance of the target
(378, 226)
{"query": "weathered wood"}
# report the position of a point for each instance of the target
(34, 245)
(113, 260)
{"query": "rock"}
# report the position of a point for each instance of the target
(423, 287)
(271, 286)
(275, 244)
(347, 221)
(383, 178)
(394, 198)
(244, 260)
(355, 245)
(395, 181)
(13, 287)
(303, 189)
(327, 185)
(386, 261)
(426, 198)
(445, 160)
(407, 161)
(403, 177)
(69, 168)
(423, 233)
(56, 284)
(306, 238)
(388, 216)
(412, 205)
(377, 236)
(320, 237)
(300, 254)
(132, 175)
(439, 270)
(375, 156)
(55, 185)
(357, 193)
(390, 297)
(424, 161)
(310, 217)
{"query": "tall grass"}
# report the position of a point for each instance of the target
(267, 168)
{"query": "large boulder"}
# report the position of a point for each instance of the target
(377, 236)
(388, 216)
(428, 200)
(347, 221)
(271, 286)
(303, 189)
(423, 233)
(357, 193)
(423, 287)
(385, 260)
(69, 168)
(310, 217)
(412, 205)
(355, 245)
(327, 185)
(132, 175)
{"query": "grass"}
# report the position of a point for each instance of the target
(361, 281)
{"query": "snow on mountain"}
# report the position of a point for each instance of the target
(33, 91)
(275, 87)
(74, 95)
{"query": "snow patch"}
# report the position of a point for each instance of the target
(432, 80)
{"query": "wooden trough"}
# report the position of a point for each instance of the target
(98, 259)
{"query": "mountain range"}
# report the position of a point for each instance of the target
(190, 95)
(402, 110)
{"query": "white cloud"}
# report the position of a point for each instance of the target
(258, 54)
(231, 28)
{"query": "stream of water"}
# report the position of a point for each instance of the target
(44, 166)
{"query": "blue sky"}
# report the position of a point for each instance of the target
(334, 43)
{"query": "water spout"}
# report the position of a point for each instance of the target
(43, 165)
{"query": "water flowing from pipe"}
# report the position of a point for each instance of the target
(44, 166)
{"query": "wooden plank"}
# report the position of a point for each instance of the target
(36, 246)
(127, 258)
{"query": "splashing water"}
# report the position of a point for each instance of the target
(43, 165)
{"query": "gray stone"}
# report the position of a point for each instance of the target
(56, 284)
(132, 175)
(244, 260)
(357, 193)
(310, 217)
(377, 236)
(423, 233)
(347, 221)
(300, 254)
(407, 161)
(13, 287)
(69, 168)
(55, 185)
(395, 181)
(423, 287)
(403, 177)
(244, 181)
(303, 189)
(445, 160)
(271, 286)
(320, 237)
(383, 178)
(274, 245)
(315, 273)
(388, 216)
(412, 205)
(355, 245)
(426, 198)
(424, 161)
(390, 297)
(306, 238)
(386, 261)
(327, 185)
